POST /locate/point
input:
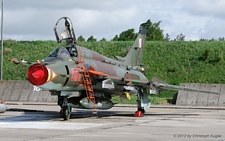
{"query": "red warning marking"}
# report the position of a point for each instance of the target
(76, 76)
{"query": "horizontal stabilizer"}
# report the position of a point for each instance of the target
(156, 85)
(174, 87)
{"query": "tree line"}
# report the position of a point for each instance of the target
(154, 33)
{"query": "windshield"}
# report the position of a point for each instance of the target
(64, 53)
(60, 52)
(54, 52)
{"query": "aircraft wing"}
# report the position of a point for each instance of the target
(18, 61)
(24, 62)
(156, 85)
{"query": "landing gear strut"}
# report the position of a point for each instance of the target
(142, 102)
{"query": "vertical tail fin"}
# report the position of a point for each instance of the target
(134, 56)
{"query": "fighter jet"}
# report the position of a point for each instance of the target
(72, 68)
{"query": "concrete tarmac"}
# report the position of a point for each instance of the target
(161, 123)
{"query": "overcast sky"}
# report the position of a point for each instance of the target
(35, 19)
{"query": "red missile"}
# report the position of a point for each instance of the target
(3, 107)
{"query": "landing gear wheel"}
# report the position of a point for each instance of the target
(66, 112)
(139, 113)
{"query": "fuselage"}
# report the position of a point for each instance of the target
(63, 71)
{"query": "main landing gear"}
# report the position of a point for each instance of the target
(142, 102)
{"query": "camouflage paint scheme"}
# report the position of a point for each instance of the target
(62, 73)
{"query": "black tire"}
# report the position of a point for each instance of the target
(66, 113)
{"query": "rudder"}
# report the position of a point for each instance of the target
(134, 56)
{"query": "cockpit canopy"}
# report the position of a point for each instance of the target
(60, 52)
(64, 31)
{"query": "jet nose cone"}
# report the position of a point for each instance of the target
(37, 74)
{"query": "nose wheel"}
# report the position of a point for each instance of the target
(66, 111)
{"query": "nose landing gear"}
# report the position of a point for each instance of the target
(65, 107)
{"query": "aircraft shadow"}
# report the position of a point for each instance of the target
(29, 115)
(104, 114)
(39, 115)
